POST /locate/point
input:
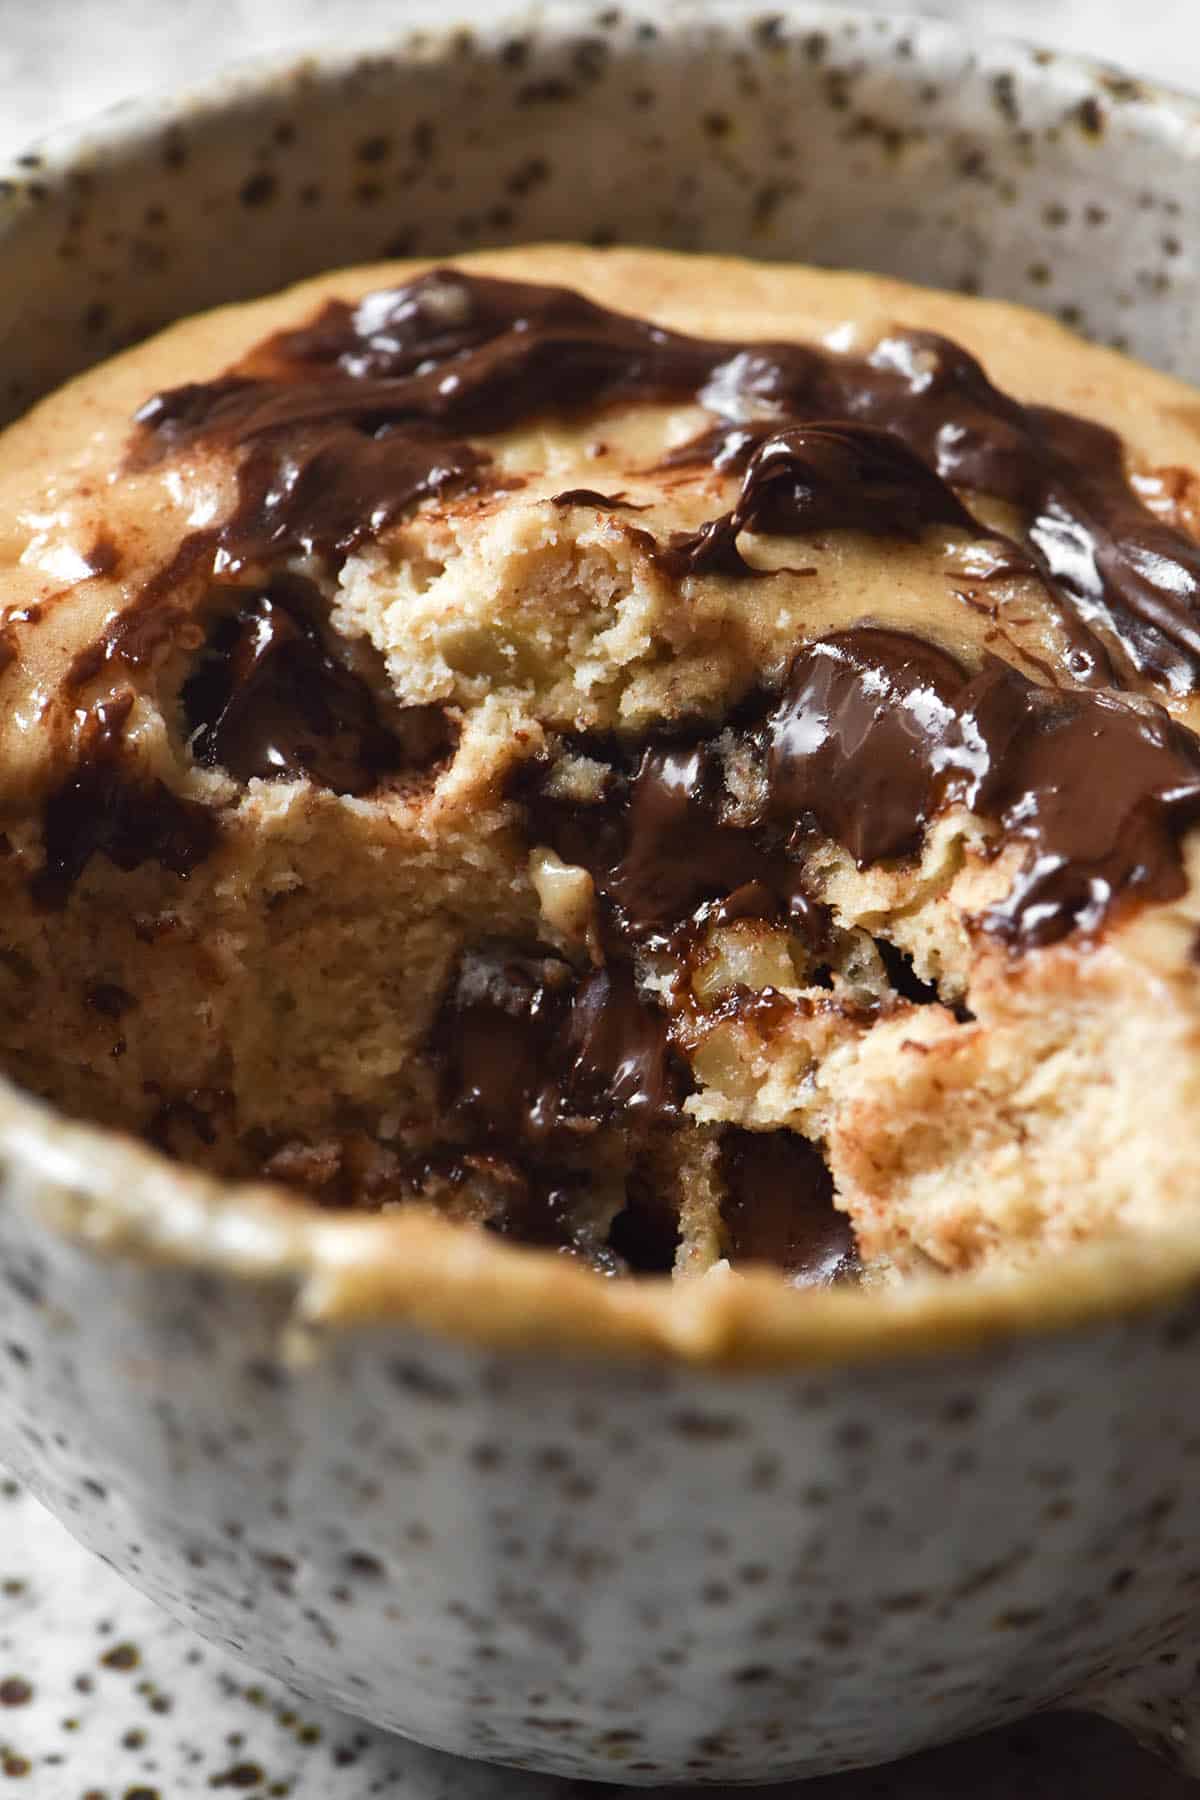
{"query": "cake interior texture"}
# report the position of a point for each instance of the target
(676, 762)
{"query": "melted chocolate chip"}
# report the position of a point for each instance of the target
(504, 1019)
(109, 1000)
(535, 1055)
(548, 1208)
(268, 699)
(1099, 794)
(660, 848)
(621, 1059)
(105, 805)
(849, 742)
(779, 1208)
(816, 478)
(537, 1059)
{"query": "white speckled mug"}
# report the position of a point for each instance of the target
(721, 1533)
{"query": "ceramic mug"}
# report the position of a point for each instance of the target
(726, 1531)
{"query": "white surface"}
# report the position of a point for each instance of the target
(63, 59)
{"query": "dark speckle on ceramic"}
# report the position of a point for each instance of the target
(627, 1569)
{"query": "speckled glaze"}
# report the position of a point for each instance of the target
(628, 1562)
(102, 1693)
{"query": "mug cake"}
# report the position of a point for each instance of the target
(674, 762)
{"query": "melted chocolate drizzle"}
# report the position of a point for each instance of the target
(877, 732)
(822, 440)
(105, 807)
(405, 370)
(303, 491)
(851, 740)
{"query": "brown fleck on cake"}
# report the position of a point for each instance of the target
(661, 759)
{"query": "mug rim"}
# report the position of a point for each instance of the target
(246, 78)
(120, 1197)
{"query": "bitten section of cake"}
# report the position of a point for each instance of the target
(713, 783)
